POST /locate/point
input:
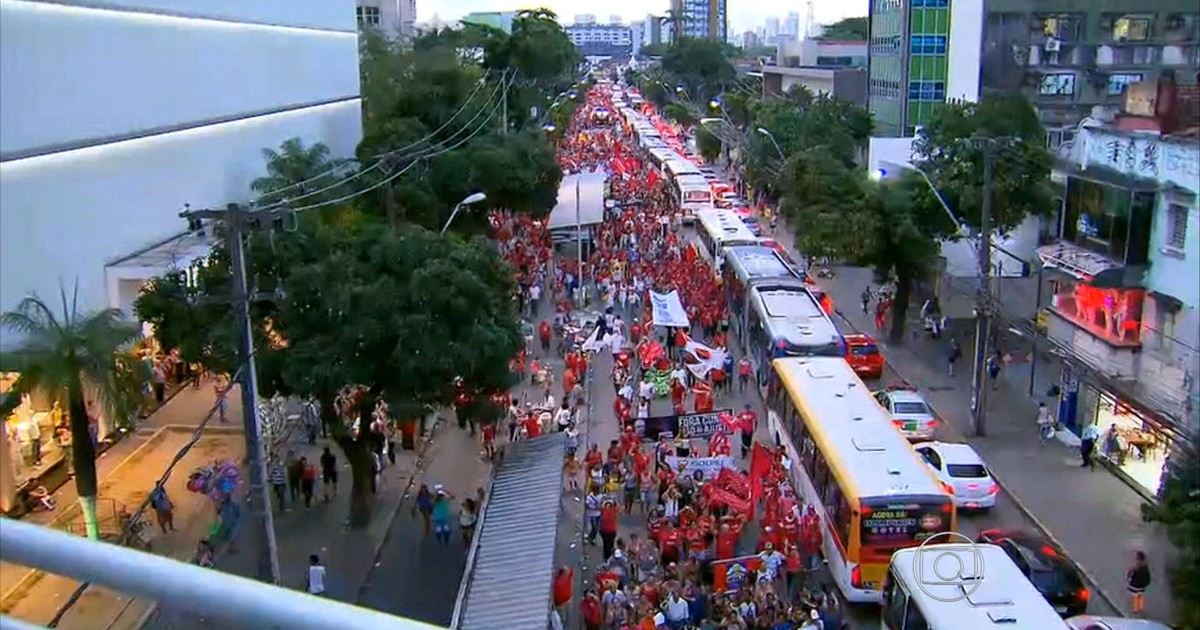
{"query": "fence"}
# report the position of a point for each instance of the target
(236, 601)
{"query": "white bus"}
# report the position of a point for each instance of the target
(956, 586)
(872, 491)
(717, 229)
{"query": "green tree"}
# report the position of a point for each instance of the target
(700, 66)
(679, 114)
(62, 354)
(708, 144)
(839, 128)
(1179, 511)
(403, 313)
(299, 173)
(950, 149)
(652, 50)
(539, 55)
(852, 29)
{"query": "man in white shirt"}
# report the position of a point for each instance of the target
(316, 576)
(626, 391)
(646, 391)
(676, 609)
(535, 294)
(771, 561)
(562, 417)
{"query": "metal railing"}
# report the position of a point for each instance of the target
(238, 601)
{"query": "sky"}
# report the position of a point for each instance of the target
(743, 14)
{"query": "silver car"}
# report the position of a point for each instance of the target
(909, 412)
(1095, 622)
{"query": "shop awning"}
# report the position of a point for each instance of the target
(1095, 269)
(1105, 176)
(1169, 303)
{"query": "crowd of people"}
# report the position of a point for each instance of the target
(704, 559)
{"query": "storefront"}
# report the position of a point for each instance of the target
(1130, 438)
(34, 441)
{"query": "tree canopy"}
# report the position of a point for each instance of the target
(851, 29)
(1179, 510)
(700, 66)
(433, 125)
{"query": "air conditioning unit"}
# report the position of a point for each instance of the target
(1052, 45)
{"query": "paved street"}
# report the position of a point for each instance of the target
(416, 577)
(1094, 516)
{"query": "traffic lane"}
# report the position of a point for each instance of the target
(416, 577)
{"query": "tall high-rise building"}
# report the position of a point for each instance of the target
(791, 25)
(910, 69)
(654, 30)
(704, 19)
(584, 19)
(772, 29)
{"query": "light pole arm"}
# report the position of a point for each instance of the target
(453, 214)
(941, 200)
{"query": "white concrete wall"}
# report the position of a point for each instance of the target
(882, 152)
(965, 51)
(76, 76)
(817, 83)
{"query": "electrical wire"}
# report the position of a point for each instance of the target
(433, 134)
(127, 530)
(414, 162)
(416, 156)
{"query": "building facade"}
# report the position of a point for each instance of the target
(700, 19)
(393, 18)
(115, 117)
(596, 40)
(501, 20)
(1072, 57)
(1126, 292)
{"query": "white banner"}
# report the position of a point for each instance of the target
(596, 343)
(710, 466)
(701, 359)
(668, 310)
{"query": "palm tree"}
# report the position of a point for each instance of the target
(295, 171)
(60, 355)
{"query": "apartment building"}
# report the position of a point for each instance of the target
(700, 19)
(601, 40)
(393, 18)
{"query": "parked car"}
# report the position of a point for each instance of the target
(864, 356)
(910, 414)
(1095, 622)
(1046, 566)
(963, 474)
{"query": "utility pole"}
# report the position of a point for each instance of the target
(983, 318)
(579, 245)
(237, 220)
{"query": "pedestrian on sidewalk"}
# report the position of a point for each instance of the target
(293, 475)
(993, 368)
(441, 514)
(311, 415)
(308, 481)
(953, 354)
(1087, 445)
(279, 480)
(424, 505)
(1137, 579)
(744, 368)
(164, 509)
(563, 585)
(314, 581)
(467, 517)
(608, 526)
(591, 508)
(866, 300)
(328, 474)
(1045, 423)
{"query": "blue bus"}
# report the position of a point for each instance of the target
(785, 319)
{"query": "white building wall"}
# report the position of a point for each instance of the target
(965, 51)
(112, 119)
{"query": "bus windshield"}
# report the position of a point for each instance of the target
(697, 196)
(889, 525)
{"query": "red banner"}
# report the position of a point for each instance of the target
(730, 575)
(760, 466)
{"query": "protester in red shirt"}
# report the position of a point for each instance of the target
(608, 527)
(810, 531)
(594, 459)
(564, 581)
(747, 421)
(589, 609)
(489, 439)
(726, 542)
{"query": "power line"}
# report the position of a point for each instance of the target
(415, 160)
(433, 134)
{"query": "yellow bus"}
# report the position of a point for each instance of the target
(872, 491)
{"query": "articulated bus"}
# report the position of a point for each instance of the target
(785, 319)
(719, 229)
(989, 591)
(872, 491)
(750, 264)
(693, 195)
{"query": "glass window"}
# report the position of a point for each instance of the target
(1131, 28)
(966, 471)
(1118, 82)
(1177, 227)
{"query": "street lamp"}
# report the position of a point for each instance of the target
(471, 199)
(881, 174)
(775, 143)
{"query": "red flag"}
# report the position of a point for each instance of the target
(652, 179)
(760, 465)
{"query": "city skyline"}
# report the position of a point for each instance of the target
(742, 15)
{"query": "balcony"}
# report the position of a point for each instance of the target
(1057, 54)
(1182, 55)
(1120, 54)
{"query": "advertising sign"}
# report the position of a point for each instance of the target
(730, 575)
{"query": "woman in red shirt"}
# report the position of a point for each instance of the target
(590, 610)
(564, 581)
(608, 527)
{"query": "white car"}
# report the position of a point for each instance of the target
(909, 412)
(1093, 622)
(962, 473)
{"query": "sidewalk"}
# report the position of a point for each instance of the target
(1094, 516)
(126, 473)
(347, 554)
